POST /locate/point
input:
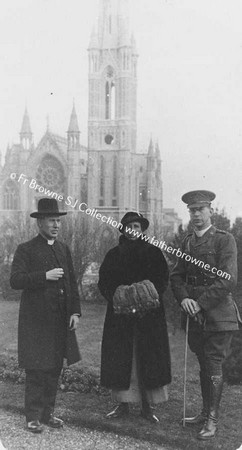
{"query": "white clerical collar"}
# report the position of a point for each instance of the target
(200, 233)
(49, 241)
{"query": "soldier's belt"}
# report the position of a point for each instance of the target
(199, 280)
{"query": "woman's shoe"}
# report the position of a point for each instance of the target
(148, 415)
(121, 410)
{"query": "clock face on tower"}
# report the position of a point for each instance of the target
(50, 174)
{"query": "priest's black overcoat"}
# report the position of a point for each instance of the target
(42, 330)
(129, 262)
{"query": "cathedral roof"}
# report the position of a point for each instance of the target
(60, 141)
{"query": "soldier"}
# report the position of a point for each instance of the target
(203, 289)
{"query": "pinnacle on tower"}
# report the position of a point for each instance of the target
(26, 129)
(157, 150)
(93, 43)
(73, 133)
(151, 148)
(73, 125)
(26, 134)
(134, 45)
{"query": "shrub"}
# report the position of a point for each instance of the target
(233, 364)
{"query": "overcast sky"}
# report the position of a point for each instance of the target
(189, 84)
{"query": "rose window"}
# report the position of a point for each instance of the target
(50, 174)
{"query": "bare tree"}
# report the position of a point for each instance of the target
(16, 228)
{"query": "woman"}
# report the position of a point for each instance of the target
(135, 360)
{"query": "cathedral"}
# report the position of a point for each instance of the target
(110, 174)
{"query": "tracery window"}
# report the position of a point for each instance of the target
(102, 175)
(50, 174)
(110, 94)
(115, 169)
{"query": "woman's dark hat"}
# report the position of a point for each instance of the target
(198, 198)
(134, 217)
(47, 207)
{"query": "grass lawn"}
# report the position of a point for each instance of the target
(89, 409)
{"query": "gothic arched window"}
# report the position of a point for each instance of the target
(115, 174)
(102, 175)
(107, 101)
(110, 94)
(84, 189)
(10, 196)
(143, 196)
(112, 105)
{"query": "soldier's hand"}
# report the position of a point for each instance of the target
(190, 306)
(74, 320)
(54, 274)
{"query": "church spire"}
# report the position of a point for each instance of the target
(73, 125)
(26, 129)
(113, 23)
(26, 134)
(151, 148)
(73, 133)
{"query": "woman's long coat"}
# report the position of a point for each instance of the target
(125, 264)
(43, 328)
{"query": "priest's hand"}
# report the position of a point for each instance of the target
(74, 320)
(54, 274)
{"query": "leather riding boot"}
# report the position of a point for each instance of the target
(210, 427)
(121, 410)
(202, 416)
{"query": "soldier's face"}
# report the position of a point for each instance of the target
(132, 231)
(49, 226)
(201, 216)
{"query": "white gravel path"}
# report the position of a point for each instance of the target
(14, 436)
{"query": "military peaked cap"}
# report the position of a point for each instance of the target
(198, 198)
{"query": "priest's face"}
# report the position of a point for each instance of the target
(49, 226)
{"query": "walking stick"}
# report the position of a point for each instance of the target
(185, 373)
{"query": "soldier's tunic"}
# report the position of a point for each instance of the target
(212, 289)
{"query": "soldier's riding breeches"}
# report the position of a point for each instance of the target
(211, 349)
